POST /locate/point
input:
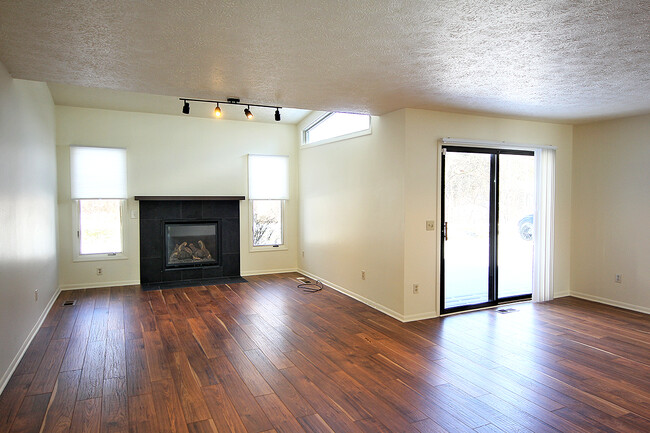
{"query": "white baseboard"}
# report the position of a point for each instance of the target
(420, 316)
(561, 294)
(353, 295)
(99, 285)
(12, 367)
(268, 271)
(611, 302)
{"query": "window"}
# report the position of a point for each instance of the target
(98, 187)
(336, 126)
(100, 227)
(268, 189)
(267, 223)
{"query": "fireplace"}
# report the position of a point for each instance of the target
(188, 241)
(191, 244)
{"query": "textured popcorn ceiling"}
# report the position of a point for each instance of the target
(555, 59)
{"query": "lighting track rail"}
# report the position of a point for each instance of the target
(229, 101)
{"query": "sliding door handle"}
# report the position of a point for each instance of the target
(444, 230)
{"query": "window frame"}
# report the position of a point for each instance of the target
(263, 248)
(76, 235)
(320, 119)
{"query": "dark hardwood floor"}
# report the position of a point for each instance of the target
(263, 356)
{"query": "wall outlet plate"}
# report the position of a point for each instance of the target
(416, 289)
(431, 225)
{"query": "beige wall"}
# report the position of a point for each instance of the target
(170, 155)
(365, 201)
(611, 207)
(352, 213)
(27, 214)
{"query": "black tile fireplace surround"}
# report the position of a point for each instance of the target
(157, 214)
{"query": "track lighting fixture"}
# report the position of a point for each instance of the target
(231, 101)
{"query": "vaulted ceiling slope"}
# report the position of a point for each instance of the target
(569, 60)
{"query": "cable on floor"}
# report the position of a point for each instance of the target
(309, 286)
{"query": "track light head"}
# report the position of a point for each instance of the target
(217, 111)
(248, 113)
(186, 108)
(277, 114)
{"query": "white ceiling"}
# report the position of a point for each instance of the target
(564, 60)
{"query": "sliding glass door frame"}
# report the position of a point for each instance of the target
(493, 277)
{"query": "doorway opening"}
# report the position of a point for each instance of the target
(487, 245)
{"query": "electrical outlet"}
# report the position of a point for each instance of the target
(36, 295)
(416, 289)
(363, 275)
(100, 271)
(431, 225)
(618, 278)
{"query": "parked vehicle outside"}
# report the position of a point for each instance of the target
(526, 227)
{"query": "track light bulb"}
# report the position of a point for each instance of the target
(248, 113)
(277, 114)
(217, 111)
(186, 108)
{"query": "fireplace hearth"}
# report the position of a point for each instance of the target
(188, 241)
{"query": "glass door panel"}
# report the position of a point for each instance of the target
(466, 244)
(515, 237)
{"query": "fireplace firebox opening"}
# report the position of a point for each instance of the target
(191, 244)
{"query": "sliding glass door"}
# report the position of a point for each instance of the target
(488, 199)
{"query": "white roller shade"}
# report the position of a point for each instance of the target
(97, 173)
(268, 177)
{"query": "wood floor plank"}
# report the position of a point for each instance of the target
(252, 416)
(58, 417)
(31, 414)
(295, 402)
(66, 324)
(11, 399)
(264, 357)
(188, 388)
(278, 414)
(314, 424)
(223, 412)
(142, 415)
(168, 407)
(114, 406)
(115, 361)
(35, 352)
(92, 374)
(156, 357)
(45, 376)
(137, 372)
(247, 371)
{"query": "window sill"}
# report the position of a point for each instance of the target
(98, 257)
(267, 249)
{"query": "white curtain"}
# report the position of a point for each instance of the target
(544, 225)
